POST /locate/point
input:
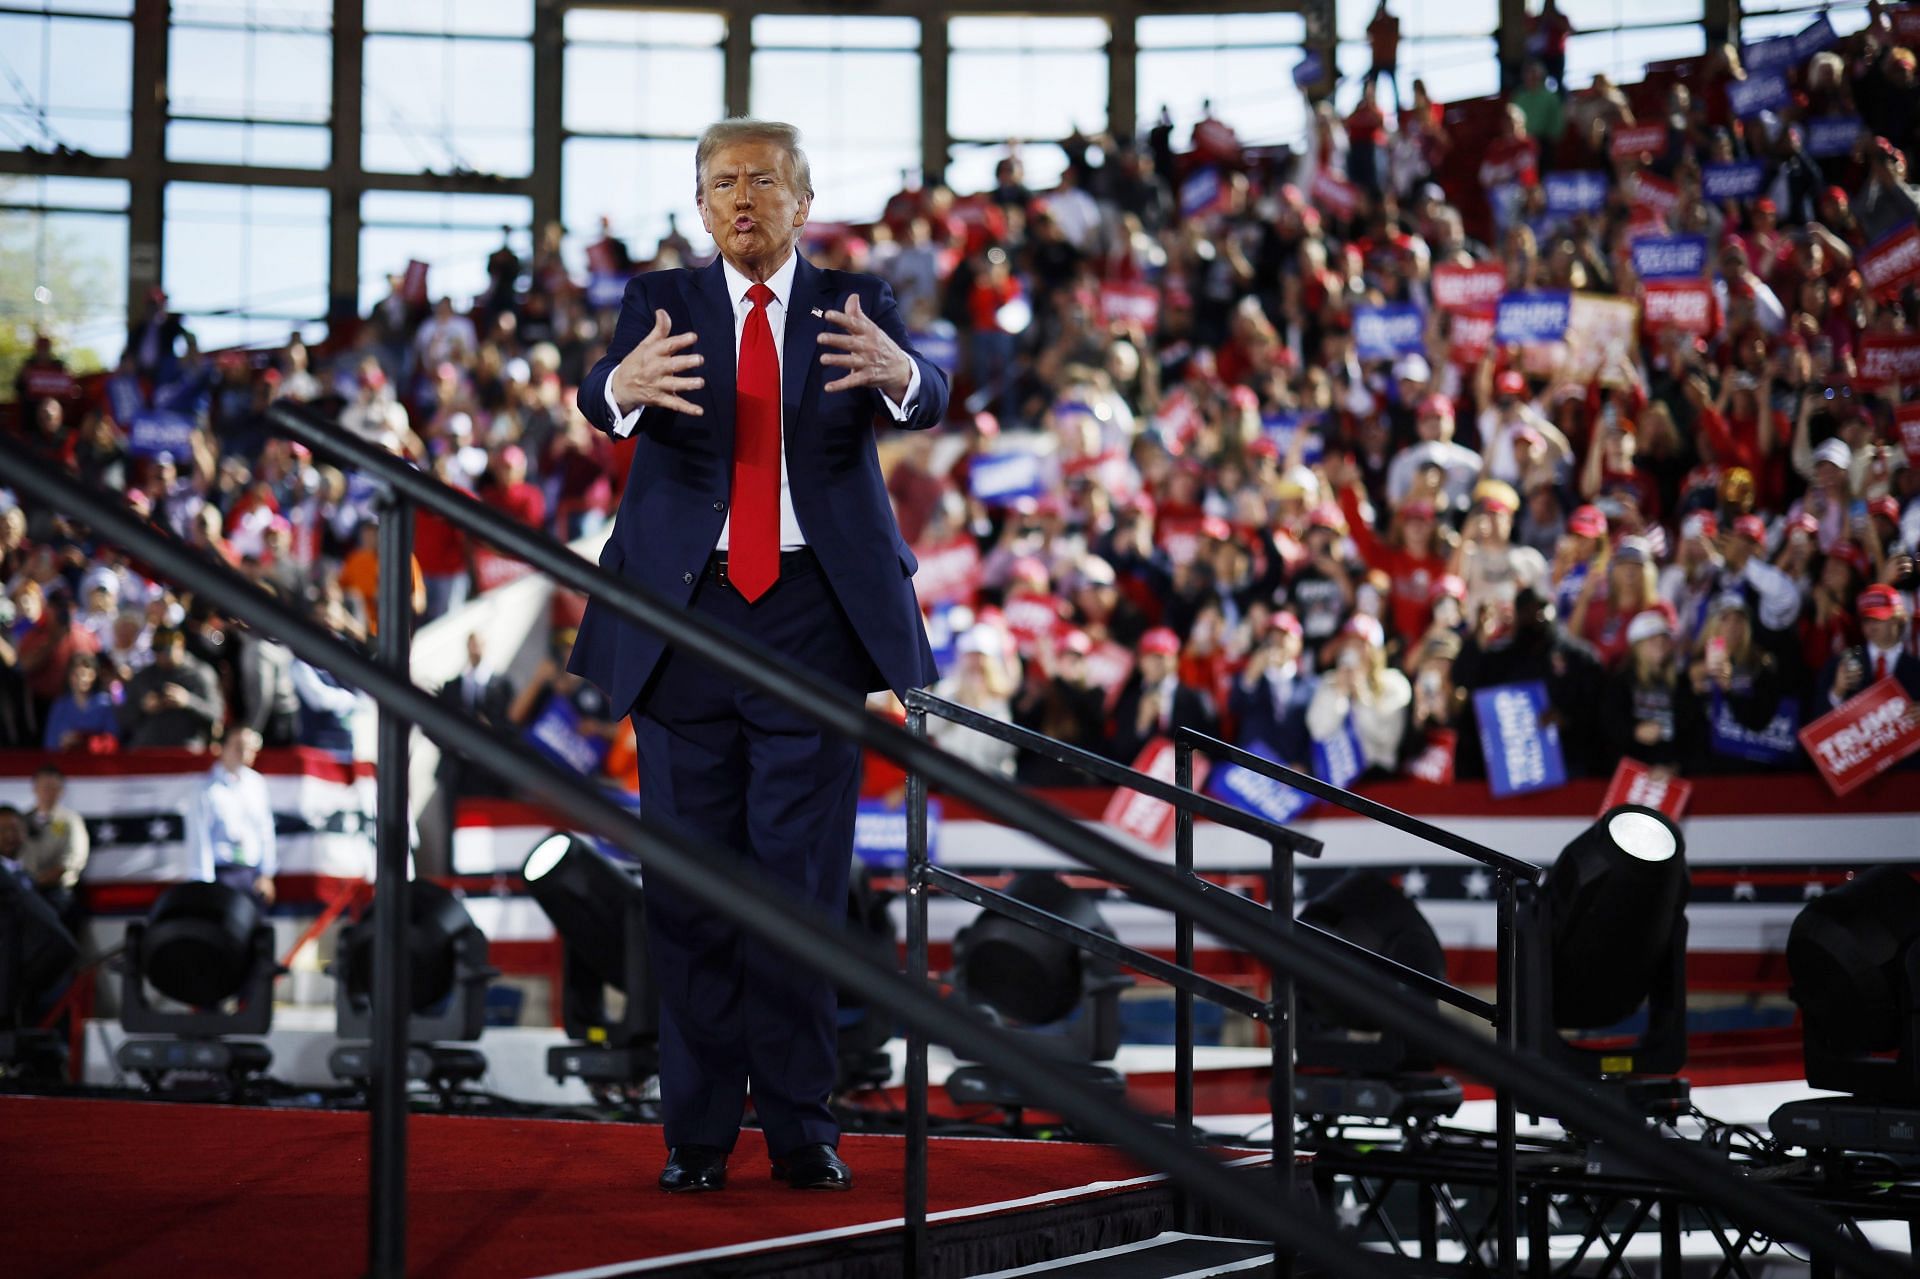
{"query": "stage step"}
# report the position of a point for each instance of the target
(1166, 1256)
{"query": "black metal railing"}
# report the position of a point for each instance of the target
(1328, 973)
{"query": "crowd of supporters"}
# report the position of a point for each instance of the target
(1241, 438)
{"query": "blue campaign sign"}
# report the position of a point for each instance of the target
(1522, 754)
(1762, 91)
(1833, 135)
(1536, 316)
(880, 833)
(155, 431)
(1817, 36)
(1768, 55)
(1281, 427)
(943, 635)
(1738, 181)
(1256, 792)
(943, 349)
(1576, 191)
(124, 399)
(1339, 760)
(605, 289)
(999, 478)
(1388, 332)
(556, 733)
(1777, 743)
(1309, 70)
(1200, 192)
(1670, 257)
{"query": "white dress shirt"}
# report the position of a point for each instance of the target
(781, 282)
(231, 822)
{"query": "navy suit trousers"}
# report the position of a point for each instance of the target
(731, 767)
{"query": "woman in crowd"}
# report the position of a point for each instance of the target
(1361, 692)
(83, 718)
(1648, 711)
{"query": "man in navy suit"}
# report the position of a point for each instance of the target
(1270, 698)
(755, 497)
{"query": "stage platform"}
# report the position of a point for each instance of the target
(116, 1188)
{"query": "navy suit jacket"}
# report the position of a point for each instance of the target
(1256, 719)
(682, 474)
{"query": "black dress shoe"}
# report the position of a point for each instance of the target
(817, 1167)
(691, 1169)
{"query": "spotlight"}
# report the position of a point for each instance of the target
(598, 908)
(1062, 1001)
(36, 954)
(1854, 959)
(864, 1031)
(1607, 934)
(1354, 1066)
(204, 945)
(447, 978)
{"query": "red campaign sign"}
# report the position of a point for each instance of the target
(1889, 357)
(1434, 763)
(1686, 305)
(1333, 193)
(1150, 820)
(49, 384)
(1907, 417)
(1866, 736)
(1645, 139)
(1109, 666)
(1179, 537)
(1472, 338)
(1892, 263)
(1635, 783)
(1031, 616)
(413, 288)
(949, 573)
(495, 570)
(1468, 288)
(1656, 194)
(1131, 304)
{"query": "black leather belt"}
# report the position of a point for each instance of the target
(791, 562)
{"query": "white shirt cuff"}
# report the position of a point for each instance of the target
(902, 411)
(623, 423)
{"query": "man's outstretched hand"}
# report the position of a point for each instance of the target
(864, 350)
(650, 373)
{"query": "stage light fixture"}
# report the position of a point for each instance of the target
(598, 907)
(206, 946)
(447, 979)
(1853, 956)
(1038, 984)
(36, 954)
(1606, 934)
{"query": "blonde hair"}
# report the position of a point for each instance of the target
(740, 128)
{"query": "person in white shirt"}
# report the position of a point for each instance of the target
(230, 820)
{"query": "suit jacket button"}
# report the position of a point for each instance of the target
(687, 578)
(719, 506)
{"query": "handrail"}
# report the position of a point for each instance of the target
(1343, 798)
(1530, 1078)
(711, 876)
(1216, 811)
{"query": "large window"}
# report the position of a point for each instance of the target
(66, 81)
(640, 86)
(852, 85)
(1240, 64)
(1622, 36)
(1015, 80)
(448, 87)
(453, 234)
(246, 264)
(63, 270)
(1451, 47)
(250, 82)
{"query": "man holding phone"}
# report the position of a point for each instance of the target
(1883, 623)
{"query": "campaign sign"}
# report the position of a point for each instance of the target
(1907, 418)
(492, 570)
(1201, 192)
(1768, 55)
(556, 734)
(1309, 70)
(1774, 744)
(1109, 666)
(1000, 478)
(1147, 819)
(1817, 36)
(1471, 338)
(1522, 754)
(949, 572)
(880, 833)
(1866, 736)
(1741, 180)
(1387, 332)
(1338, 761)
(1635, 783)
(124, 400)
(1029, 617)
(942, 349)
(1601, 333)
(1656, 195)
(413, 285)
(1284, 426)
(1892, 262)
(1670, 257)
(1257, 793)
(1468, 288)
(156, 431)
(1333, 194)
(1832, 136)
(1131, 304)
(606, 289)
(944, 624)
(47, 383)
(1685, 305)
(1576, 191)
(1644, 139)
(1761, 91)
(1888, 357)
(1434, 763)
(1536, 316)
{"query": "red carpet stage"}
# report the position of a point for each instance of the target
(98, 1188)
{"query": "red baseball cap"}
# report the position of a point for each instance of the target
(1366, 627)
(1327, 515)
(1160, 640)
(1885, 506)
(1284, 621)
(1751, 527)
(1803, 523)
(1587, 521)
(1510, 383)
(1436, 405)
(1878, 603)
(1076, 641)
(1447, 586)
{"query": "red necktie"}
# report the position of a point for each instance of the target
(753, 544)
(1879, 667)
